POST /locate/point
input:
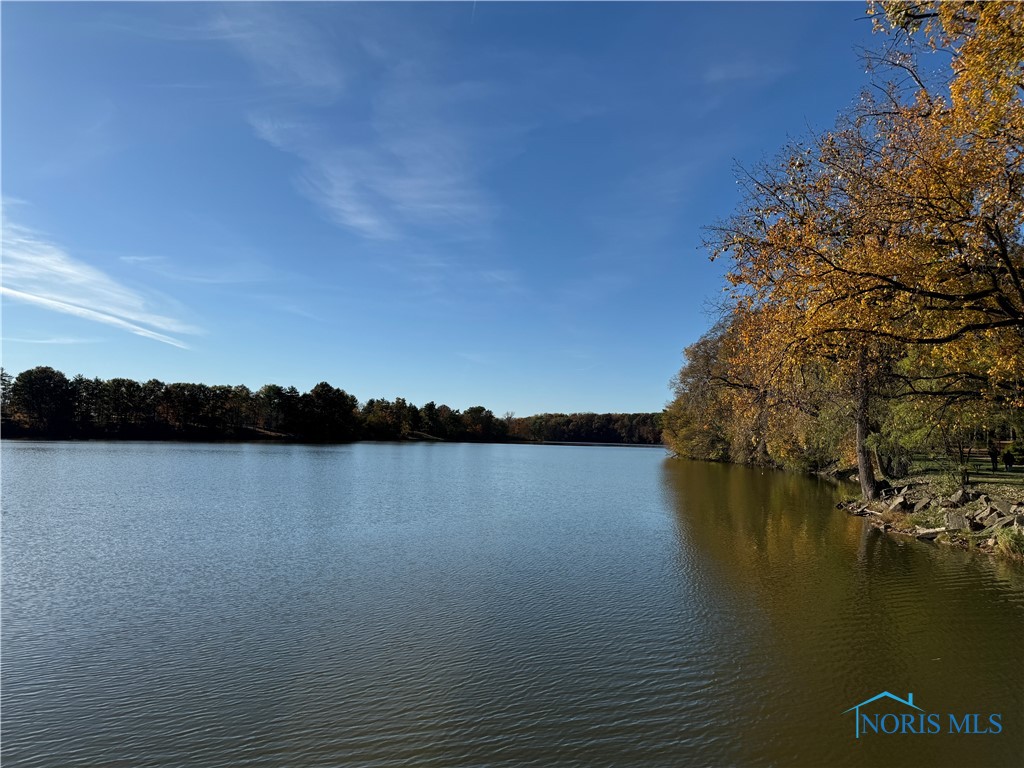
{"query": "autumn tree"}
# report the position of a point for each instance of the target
(946, 189)
(695, 422)
(897, 234)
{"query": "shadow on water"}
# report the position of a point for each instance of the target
(837, 612)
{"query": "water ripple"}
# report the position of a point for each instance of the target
(379, 605)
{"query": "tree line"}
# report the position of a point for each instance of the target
(624, 428)
(875, 305)
(43, 402)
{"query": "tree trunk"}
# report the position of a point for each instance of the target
(884, 464)
(865, 470)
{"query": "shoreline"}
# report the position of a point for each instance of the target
(968, 519)
(282, 440)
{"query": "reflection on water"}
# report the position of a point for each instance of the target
(843, 612)
(457, 605)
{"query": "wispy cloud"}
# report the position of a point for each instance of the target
(400, 156)
(507, 281)
(39, 272)
(287, 53)
(473, 357)
(743, 70)
(238, 272)
(343, 184)
(409, 170)
(52, 340)
(399, 148)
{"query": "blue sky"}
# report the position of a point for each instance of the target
(496, 204)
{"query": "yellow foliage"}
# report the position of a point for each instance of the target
(903, 226)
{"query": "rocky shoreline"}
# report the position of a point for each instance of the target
(967, 519)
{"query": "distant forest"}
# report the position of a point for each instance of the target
(43, 402)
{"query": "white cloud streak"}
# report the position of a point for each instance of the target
(38, 272)
(286, 55)
(238, 273)
(54, 340)
(397, 155)
(408, 175)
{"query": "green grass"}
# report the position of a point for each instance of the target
(928, 518)
(1010, 542)
(980, 470)
(940, 476)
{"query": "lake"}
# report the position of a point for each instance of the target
(468, 605)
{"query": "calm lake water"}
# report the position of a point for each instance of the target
(455, 605)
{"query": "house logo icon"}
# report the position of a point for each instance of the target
(909, 702)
